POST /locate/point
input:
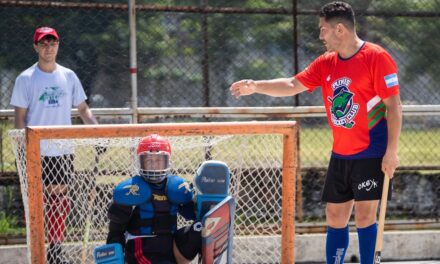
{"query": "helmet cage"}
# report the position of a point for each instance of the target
(154, 166)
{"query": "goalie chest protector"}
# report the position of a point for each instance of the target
(156, 206)
(134, 191)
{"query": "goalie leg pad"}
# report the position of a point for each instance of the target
(57, 212)
(189, 240)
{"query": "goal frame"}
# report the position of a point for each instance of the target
(35, 186)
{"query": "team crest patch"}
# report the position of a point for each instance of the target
(343, 110)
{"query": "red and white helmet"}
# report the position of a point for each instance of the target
(154, 154)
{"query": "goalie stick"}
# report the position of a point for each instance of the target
(91, 196)
(381, 224)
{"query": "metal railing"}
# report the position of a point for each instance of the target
(309, 117)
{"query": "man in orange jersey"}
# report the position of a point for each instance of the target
(360, 90)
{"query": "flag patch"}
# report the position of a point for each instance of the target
(391, 80)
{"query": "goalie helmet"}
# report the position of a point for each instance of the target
(154, 154)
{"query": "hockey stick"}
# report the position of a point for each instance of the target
(381, 224)
(91, 195)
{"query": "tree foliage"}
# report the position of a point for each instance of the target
(175, 57)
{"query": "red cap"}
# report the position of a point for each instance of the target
(44, 31)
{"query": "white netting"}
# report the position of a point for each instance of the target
(255, 162)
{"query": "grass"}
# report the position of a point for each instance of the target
(8, 225)
(7, 161)
(417, 147)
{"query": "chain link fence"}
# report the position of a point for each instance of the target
(189, 55)
(189, 52)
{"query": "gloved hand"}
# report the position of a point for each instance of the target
(110, 253)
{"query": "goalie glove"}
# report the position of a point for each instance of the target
(211, 184)
(109, 254)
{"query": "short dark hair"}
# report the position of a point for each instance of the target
(340, 12)
(48, 38)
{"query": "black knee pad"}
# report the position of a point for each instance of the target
(189, 240)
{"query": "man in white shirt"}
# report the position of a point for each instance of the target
(44, 94)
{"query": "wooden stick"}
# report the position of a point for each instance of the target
(381, 224)
(91, 196)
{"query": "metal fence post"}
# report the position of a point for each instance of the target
(133, 62)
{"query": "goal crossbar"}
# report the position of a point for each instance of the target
(35, 194)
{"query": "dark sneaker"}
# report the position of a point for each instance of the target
(53, 253)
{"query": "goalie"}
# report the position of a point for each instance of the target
(143, 214)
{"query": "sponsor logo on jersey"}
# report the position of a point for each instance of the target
(367, 185)
(132, 190)
(51, 96)
(343, 110)
(157, 197)
(391, 80)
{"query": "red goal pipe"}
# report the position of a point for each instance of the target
(35, 186)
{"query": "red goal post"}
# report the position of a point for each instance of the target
(33, 135)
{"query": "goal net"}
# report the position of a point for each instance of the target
(70, 205)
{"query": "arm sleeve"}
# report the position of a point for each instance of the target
(385, 78)
(78, 95)
(310, 77)
(20, 97)
(119, 216)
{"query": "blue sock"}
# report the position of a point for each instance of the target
(336, 245)
(367, 243)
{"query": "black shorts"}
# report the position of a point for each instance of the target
(358, 179)
(57, 169)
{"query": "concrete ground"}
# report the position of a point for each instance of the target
(395, 262)
(399, 247)
(386, 262)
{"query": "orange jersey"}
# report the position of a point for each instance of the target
(353, 90)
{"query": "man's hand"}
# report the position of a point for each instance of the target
(242, 88)
(389, 163)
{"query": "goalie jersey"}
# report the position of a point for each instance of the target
(151, 209)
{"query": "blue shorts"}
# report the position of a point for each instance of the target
(358, 179)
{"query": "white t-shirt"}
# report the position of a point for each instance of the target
(48, 98)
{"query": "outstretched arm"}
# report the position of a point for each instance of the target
(276, 87)
(394, 120)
